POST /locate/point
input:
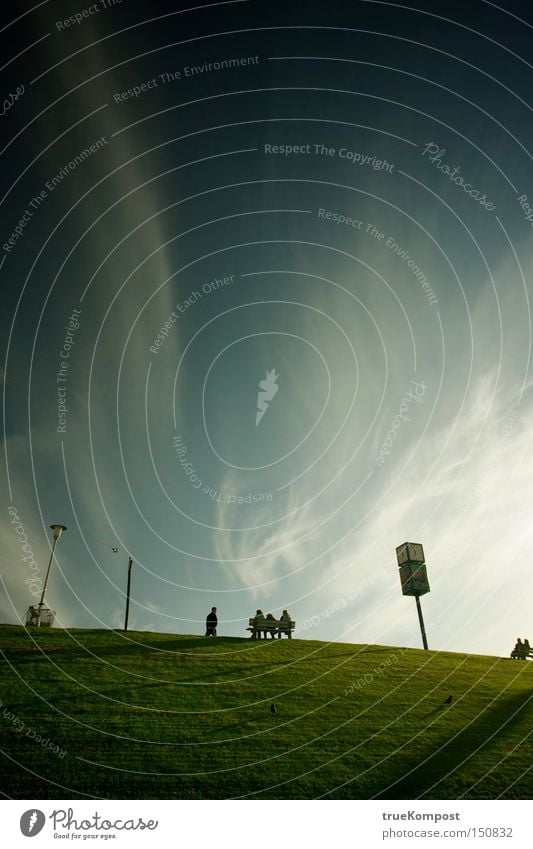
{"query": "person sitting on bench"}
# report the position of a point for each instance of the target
(527, 647)
(285, 618)
(270, 630)
(259, 619)
(518, 652)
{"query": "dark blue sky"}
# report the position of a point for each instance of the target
(339, 192)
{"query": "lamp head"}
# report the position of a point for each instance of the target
(58, 530)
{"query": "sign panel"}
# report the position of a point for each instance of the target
(414, 579)
(410, 552)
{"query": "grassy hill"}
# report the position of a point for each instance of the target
(140, 715)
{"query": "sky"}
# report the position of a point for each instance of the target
(322, 209)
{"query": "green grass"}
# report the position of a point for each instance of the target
(165, 716)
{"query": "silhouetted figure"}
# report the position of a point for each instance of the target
(518, 651)
(448, 701)
(33, 615)
(259, 619)
(271, 631)
(284, 618)
(527, 647)
(273, 710)
(211, 623)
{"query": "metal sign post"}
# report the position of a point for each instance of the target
(421, 620)
(413, 578)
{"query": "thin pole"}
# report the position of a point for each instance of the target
(130, 564)
(421, 620)
(41, 603)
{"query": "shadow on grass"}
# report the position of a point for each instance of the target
(421, 776)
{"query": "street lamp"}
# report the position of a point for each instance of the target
(414, 578)
(58, 530)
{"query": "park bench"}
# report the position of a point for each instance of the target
(270, 626)
(524, 655)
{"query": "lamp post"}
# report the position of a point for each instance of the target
(58, 530)
(413, 577)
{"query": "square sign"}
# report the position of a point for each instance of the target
(410, 552)
(414, 579)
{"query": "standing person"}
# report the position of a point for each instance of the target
(211, 623)
(33, 615)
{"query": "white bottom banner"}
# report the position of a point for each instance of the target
(240, 824)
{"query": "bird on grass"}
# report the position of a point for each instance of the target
(273, 711)
(439, 707)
